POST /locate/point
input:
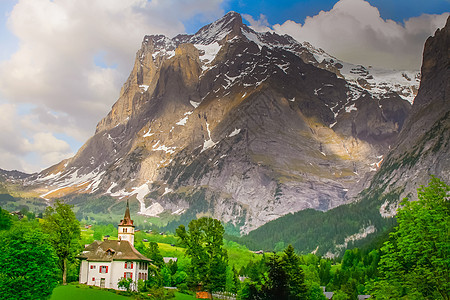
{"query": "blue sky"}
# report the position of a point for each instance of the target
(62, 62)
(278, 12)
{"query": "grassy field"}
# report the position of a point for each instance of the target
(76, 292)
(180, 296)
(72, 292)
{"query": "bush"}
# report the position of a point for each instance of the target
(125, 283)
(183, 288)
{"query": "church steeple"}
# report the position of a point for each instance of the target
(126, 227)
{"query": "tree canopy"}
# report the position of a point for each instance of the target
(63, 228)
(416, 257)
(204, 245)
(5, 219)
(28, 263)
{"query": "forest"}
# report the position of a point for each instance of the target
(38, 253)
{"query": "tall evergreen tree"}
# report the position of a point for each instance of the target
(277, 283)
(296, 277)
(236, 281)
(63, 228)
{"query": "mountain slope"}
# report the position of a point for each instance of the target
(422, 149)
(240, 125)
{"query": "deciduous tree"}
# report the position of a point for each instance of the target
(28, 263)
(64, 231)
(5, 219)
(204, 245)
(416, 257)
(154, 254)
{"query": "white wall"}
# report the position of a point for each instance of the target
(96, 275)
(116, 271)
(126, 233)
(83, 271)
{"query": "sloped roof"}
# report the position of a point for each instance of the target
(118, 250)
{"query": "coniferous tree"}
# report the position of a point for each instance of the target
(277, 283)
(296, 277)
(325, 271)
(236, 281)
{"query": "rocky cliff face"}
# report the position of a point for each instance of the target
(423, 146)
(240, 125)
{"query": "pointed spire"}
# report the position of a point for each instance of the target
(127, 219)
(127, 212)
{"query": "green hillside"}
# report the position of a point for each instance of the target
(310, 229)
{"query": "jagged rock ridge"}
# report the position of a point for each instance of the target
(241, 125)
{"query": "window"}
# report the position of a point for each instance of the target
(103, 269)
(93, 278)
(92, 267)
(125, 230)
(128, 275)
(142, 266)
(128, 265)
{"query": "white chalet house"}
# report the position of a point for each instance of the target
(105, 263)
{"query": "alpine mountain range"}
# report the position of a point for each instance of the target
(249, 126)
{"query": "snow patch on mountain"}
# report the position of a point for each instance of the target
(208, 52)
(235, 132)
(350, 108)
(208, 143)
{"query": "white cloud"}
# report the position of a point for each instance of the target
(19, 145)
(260, 25)
(354, 32)
(54, 69)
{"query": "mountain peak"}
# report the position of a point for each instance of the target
(231, 19)
(218, 30)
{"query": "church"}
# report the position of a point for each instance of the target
(105, 263)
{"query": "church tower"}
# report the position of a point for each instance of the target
(126, 227)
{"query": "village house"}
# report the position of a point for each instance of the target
(105, 263)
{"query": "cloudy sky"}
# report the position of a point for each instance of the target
(62, 62)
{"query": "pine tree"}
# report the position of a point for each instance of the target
(296, 277)
(277, 283)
